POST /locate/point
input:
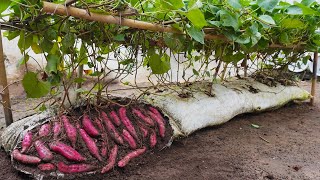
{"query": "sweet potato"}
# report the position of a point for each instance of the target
(104, 149)
(153, 139)
(44, 130)
(127, 123)
(47, 167)
(115, 118)
(145, 118)
(127, 137)
(71, 131)
(161, 125)
(26, 142)
(111, 129)
(56, 130)
(26, 159)
(43, 152)
(74, 168)
(144, 131)
(111, 160)
(66, 151)
(157, 113)
(98, 123)
(89, 127)
(91, 145)
(123, 162)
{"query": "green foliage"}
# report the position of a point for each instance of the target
(67, 42)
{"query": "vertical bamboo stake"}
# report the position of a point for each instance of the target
(314, 78)
(4, 90)
(79, 85)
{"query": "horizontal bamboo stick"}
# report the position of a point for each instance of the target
(110, 19)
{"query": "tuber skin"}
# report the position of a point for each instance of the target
(145, 118)
(71, 131)
(111, 160)
(74, 168)
(43, 152)
(144, 131)
(66, 151)
(26, 159)
(26, 142)
(56, 130)
(161, 125)
(115, 118)
(153, 139)
(157, 113)
(44, 130)
(89, 127)
(127, 137)
(123, 162)
(47, 167)
(104, 149)
(127, 123)
(91, 145)
(111, 129)
(98, 123)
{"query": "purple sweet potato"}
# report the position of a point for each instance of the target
(71, 131)
(43, 152)
(144, 131)
(153, 139)
(98, 123)
(91, 145)
(26, 142)
(104, 149)
(26, 159)
(74, 168)
(44, 130)
(56, 130)
(89, 127)
(123, 162)
(145, 118)
(111, 160)
(111, 129)
(127, 123)
(130, 140)
(66, 151)
(161, 125)
(115, 118)
(47, 167)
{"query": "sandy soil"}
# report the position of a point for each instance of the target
(286, 146)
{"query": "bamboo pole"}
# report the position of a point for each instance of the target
(314, 78)
(4, 90)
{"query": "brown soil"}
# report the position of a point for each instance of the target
(285, 146)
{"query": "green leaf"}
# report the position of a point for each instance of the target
(195, 72)
(307, 10)
(294, 10)
(36, 48)
(127, 61)
(4, 4)
(196, 34)
(159, 64)
(174, 41)
(268, 5)
(235, 4)
(25, 41)
(215, 23)
(34, 87)
(197, 18)
(51, 34)
(292, 24)
(43, 107)
(229, 19)
(83, 58)
(266, 19)
(46, 45)
(52, 63)
(11, 34)
(284, 38)
(307, 2)
(79, 80)
(171, 4)
(119, 37)
(194, 4)
(68, 40)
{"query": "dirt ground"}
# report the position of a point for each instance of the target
(285, 146)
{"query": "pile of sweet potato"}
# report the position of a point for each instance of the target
(96, 141)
